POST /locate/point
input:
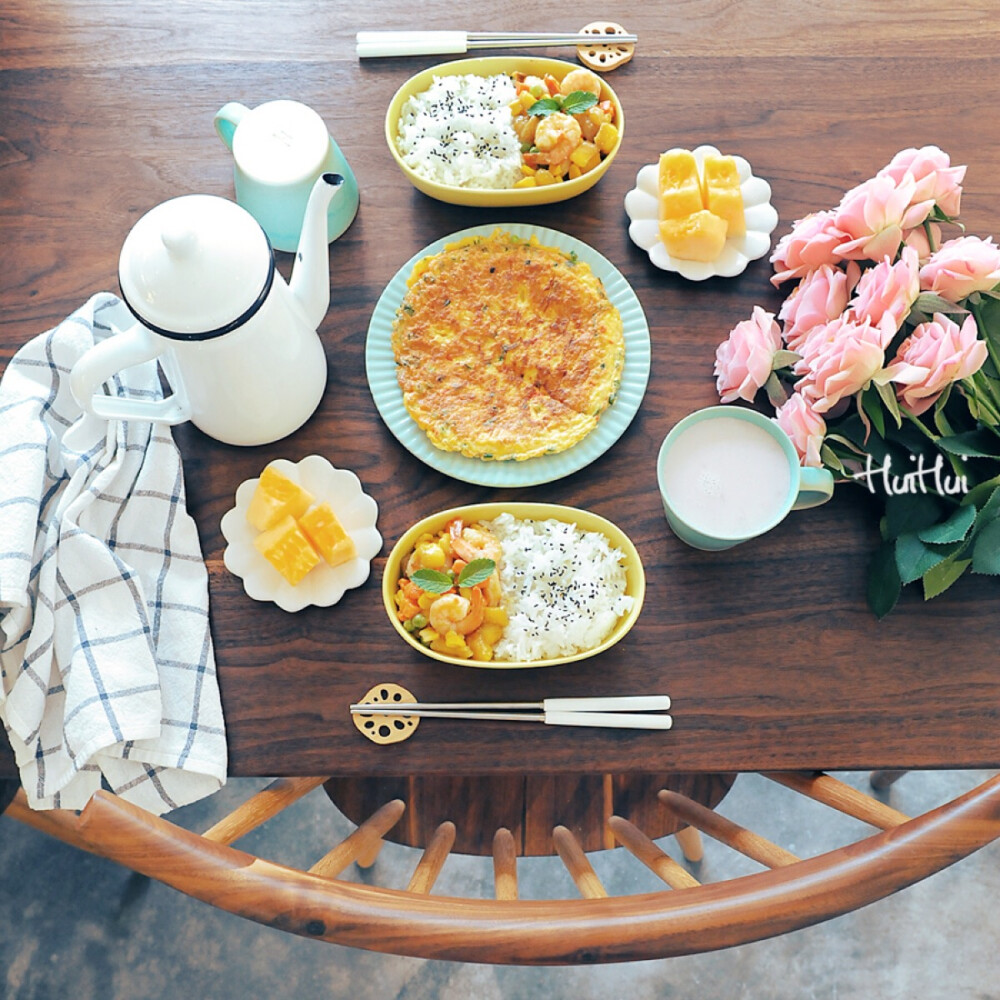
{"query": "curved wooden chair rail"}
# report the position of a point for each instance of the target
(685, 918)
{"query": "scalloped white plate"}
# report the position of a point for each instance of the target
(380, 364)
(642, 208)
(324, 585)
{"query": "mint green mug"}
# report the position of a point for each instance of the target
(728, 474)
(279, 151)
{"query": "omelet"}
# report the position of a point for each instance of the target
(506, 349)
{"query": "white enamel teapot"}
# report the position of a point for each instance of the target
(237, 345)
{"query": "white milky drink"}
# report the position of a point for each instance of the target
(727, 477)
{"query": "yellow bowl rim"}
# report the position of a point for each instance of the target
(635, 574)
(504, 197)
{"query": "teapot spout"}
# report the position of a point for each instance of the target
(310, 280)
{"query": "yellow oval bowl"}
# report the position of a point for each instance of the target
(502, 198)
(635, 577)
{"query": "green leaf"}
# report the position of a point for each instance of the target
(476, 571)
(942, 576)
(990, 508)
(953, 530)
(578, 101)
(931, 302)
(979, 443)
(847, 443)
(911, 512)
(888, 398)
(884, 585)
(784, 359)
(432, 580)
(831, 460)
(988, 321)
(873, 409)
(914, 558)
(544, 107)
(986, 550)
(983, 494)
(776, 394)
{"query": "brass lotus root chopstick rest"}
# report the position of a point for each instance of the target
(385, 727)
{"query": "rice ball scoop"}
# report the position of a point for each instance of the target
(275, 498)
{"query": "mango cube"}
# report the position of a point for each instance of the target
(606, 138)
(327, 535)
(679, 185)
(699, 236)
(721, 188)
(586, 156)
(678, 167)
(287, 549)
(276, 498)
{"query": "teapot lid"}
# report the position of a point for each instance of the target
(195, 267)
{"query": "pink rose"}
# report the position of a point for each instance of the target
(886, 293)
(804, 426)
(932, 357)
(820, 297)
(809, 245)
(874, 216)
(838, 360)
(743, 362)
(936, 179)
(960, 267)
(919, 240)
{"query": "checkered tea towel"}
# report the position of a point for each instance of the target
(108, 671)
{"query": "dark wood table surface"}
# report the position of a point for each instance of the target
(768, 650)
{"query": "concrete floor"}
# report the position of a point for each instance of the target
(72, 925)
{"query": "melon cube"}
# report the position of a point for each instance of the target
(287, 549)
(700, 236)
(327, 535)
(276, 498)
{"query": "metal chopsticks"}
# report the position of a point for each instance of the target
(372, 44)
(631, 712)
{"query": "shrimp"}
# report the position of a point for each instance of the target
(474, 543)
(580, 79)
(454, 613)
(557, 136)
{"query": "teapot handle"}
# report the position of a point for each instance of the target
(124, 350)
(226, 120)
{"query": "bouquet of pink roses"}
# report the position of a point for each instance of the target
(883, 364)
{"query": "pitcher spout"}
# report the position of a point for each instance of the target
(310, 280)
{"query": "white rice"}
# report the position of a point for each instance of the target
(460, 132)
(564, 588)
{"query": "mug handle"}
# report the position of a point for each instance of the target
(226, 120)
(124, 350)
(815, 487)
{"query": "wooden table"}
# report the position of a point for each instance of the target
(768, 650)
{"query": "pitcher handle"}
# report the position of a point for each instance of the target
(815, 487)
(226, 120)
(133, 346)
